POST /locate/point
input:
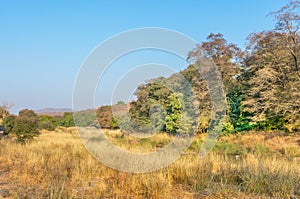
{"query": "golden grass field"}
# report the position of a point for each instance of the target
(57, 165)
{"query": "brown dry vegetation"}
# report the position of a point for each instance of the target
(56, 165)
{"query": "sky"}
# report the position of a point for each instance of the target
(44, 43)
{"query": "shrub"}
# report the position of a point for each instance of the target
(26, 125)
(67, 120)
(47, 122)
(273, 123)
(228, 128)
(8, 123)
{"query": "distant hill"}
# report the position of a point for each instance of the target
(53, 111)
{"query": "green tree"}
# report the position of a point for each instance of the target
(113, 123)
(174, 113)
(67, 120)
(149, 97)
(47, 122)
(26, 125)
(238, 117)
(8, 123)
(86, 118)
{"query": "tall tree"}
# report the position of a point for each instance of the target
(272, 77)
(271, 80)
(174, 113)
(226, 56)
(288, 23)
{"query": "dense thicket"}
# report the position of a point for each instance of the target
(261, 83)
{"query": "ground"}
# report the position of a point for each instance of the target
(56, 165)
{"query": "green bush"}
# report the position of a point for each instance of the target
(47, 122)
(8, 123)
(273, 123)
(67, 120)
(85, 118)
(228, 128)
(26, 125)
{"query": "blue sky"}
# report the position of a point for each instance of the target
(43, 43)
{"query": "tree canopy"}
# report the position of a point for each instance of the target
(261, 83)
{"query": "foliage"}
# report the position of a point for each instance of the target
(105, 117)
(274, 123)
(238, 117)
(148, 97)
(261, 84)
(26, 125)
(113, 123)
(47, 122)
(271, 82)
(149, 106)
(174, 113)
(86, 118)
(226, 56)
(8, 123)
(164, 104)
(288, 24)
(228, 128)
(67, 120)
(272, 77)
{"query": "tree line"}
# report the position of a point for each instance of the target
(27, 124)
(261, 84)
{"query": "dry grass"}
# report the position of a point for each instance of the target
(136, 144)
(56, 165)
